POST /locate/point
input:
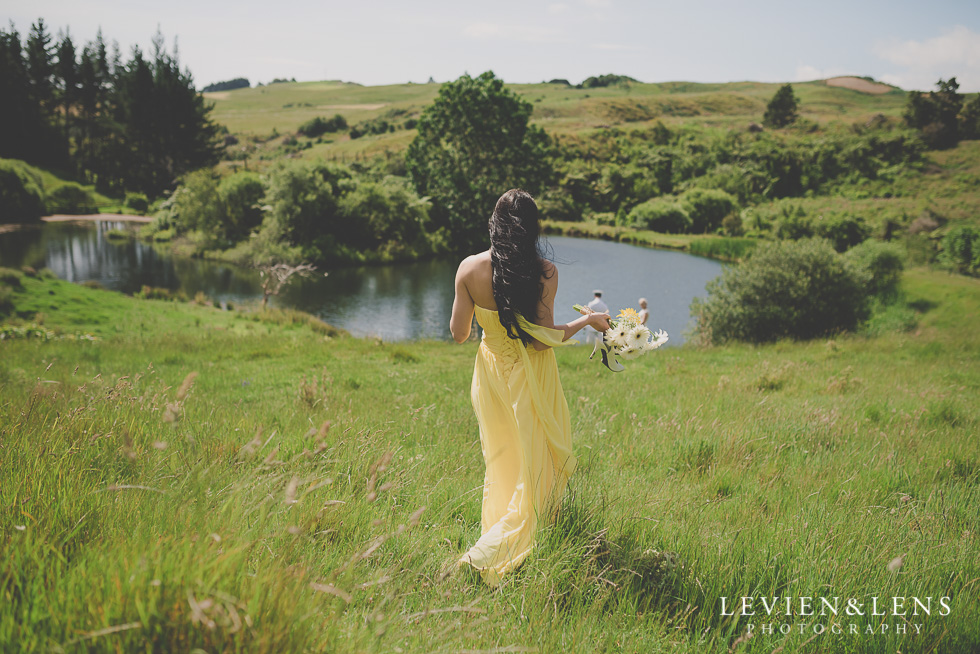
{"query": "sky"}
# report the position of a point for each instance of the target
(911, 44)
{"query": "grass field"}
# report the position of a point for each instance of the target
(253, 114)
(233, 482)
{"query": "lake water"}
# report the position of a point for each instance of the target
(394, 302)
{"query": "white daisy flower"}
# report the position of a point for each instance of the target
(630, 352)
(638, 336)
(617, 336)
(659, 338)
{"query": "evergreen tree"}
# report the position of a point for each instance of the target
(67, 70)
(782, 109)
(17, 116)
(40, 64)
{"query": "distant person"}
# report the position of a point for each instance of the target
(644, 314)
(598, 306)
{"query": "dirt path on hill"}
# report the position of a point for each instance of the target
(858, 84)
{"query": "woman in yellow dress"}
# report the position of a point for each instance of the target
(525, 432)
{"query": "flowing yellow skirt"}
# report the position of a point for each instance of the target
(525, 434)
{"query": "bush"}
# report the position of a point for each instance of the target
(960, 249)
(793, 224)
(137, 202)
(11, 277)
(21, 195)
(373, 214)
(317, 126)
(796, 289)
(844, 232)
(71, 199)
(241, 202)
(558, 205)
(707, 208)
(661, 216)
(160, 293)
(881, 264)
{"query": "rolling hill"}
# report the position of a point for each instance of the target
(264, 119)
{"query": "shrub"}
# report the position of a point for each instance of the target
(731, 225)
(11, 277)
(960, 249)
(160, 293)
(137, 202)
(376, 213)
(796, 289)
(844, 232)
(241, 195)
(793, 224)
(707, 208)
(558, 205)
(71, 199)
(317, 126)
(661, 216)
(21, 195)
(881, 263)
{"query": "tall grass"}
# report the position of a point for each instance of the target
(197, 479)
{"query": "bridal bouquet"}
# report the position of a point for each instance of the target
(626, 338)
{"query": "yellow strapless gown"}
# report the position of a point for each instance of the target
(525, 434)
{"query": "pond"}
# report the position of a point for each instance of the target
(394, 302)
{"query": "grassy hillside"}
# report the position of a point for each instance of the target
(204, 479)
(253, 114)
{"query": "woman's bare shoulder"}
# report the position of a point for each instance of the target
(474, 262)
(549, 272)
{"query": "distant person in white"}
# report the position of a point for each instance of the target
(597, 305)
(644, 314)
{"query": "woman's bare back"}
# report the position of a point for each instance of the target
(478, 278)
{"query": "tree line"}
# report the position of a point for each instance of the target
(134, 124)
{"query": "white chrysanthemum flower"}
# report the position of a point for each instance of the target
(630, 352)
(659, 338)
(617, 336)
(638, 336)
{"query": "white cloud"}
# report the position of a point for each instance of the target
(598, 4)
(557, 8)
(920, 64)
(617, 47)
(524, 33)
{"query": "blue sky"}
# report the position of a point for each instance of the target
(911, 44)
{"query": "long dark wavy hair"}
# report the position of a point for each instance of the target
(517, 260)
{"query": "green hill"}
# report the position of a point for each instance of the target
(261, 118)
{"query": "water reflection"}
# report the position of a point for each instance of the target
(397, 302)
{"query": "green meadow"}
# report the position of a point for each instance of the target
(258, 115)
(179, 478)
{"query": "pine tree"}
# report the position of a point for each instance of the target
(782, 109)
(17, 113)
(40, 65)
(67, 71)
